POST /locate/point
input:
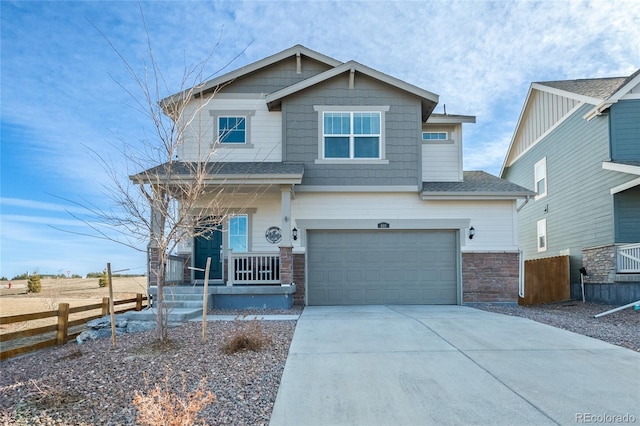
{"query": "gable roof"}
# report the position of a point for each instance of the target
(428, 99)
(475, 185)
(599, 92)
(216, 82)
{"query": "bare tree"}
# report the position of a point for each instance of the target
(165, 200)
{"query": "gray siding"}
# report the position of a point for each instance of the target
(402, 128)
(625, 131)
(578, 202)
(275, 77)
(627, 211)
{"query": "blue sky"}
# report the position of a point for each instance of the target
(62, 97)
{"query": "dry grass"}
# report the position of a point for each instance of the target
(247, 335)
(162, 406)
(75, 291)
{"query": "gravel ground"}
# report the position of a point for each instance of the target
(620, 328)
(95, 383)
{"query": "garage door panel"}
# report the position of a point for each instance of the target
(382, 267)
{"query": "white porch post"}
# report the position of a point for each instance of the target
(286, 248)
(285, 215)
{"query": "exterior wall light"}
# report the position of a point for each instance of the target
(472, 232)
(295, 234)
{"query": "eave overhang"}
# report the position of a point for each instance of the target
(249, 174)
(631, 168)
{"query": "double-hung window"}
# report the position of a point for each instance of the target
(351, 135)
(232, 129)
(238, 233)
(540, 172)
(542, 234)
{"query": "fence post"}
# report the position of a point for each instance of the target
(138, 302)
(105, 306)
(63, 323)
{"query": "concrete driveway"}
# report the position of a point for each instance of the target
(450, 365)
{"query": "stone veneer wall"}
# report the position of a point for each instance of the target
(490, 276)
(299, 278)
(603, 284)
(600, 263)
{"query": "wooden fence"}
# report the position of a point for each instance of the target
(546, 280)
(62, 326)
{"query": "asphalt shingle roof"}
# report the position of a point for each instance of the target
(600, 88)
(229, 168)
(477, 182)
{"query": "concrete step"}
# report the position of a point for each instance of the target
(190, 304)
(182, 297)
(175, 314)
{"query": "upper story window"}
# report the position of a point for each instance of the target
(351, 135)
(542, 235)
(435, 136)
(540, 172)
(238, 233)
(232, 129)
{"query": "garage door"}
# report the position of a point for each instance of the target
(381, 267)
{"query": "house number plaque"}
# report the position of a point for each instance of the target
(383, 225)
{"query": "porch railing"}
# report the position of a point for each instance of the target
(628, 258)
(175, 270)
(253, 268)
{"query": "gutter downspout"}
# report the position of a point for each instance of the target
(526, 200)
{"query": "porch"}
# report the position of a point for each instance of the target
(253, 281)
(613, 273)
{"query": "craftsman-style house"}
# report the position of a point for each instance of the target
(363, 196)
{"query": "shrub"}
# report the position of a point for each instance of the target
(34, 285)
(160, 406)
(104, 280)
(248, 335)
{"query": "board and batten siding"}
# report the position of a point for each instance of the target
(578, 206)
(442, 159)
(625, 130)
(265, 140)
(402, 127)
(544, 110)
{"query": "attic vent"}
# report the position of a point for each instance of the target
(298, 63)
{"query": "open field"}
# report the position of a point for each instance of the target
(74, 291)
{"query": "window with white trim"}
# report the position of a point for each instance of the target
(542, 235)
(434, 136)
(540, 177)
(232, 129)
(238, 233)
(351, 135)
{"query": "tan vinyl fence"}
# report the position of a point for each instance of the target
(546, 280)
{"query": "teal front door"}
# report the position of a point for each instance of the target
(208, 245)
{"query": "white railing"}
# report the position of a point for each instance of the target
(253, 268)
(628, 258)
(175, 270)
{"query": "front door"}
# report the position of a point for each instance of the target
(207, 245)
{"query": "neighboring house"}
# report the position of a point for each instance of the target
(577, 144)
(363, 200)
